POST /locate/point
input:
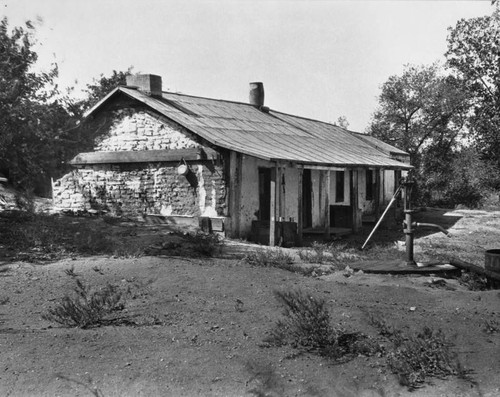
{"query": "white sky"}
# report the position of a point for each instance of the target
(317, 59)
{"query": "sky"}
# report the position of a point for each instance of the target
(317, 59)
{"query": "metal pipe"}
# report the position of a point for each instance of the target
(408, 231)
(418, 224)
(256, 95)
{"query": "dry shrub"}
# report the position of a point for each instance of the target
(417, 357)
(307, 325)
(424, 355)
(205, 244)
(87, 307)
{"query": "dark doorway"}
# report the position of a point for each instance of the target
(306, 199)
(264, 194)
(339, 187)
(370, 189)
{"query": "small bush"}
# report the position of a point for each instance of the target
(87, 308)
(416, 358)
(205, 244)
(307, 325)
(306, 321)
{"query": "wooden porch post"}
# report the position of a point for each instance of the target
(378, 191)
(300, 208)
(324, 197)
(272, 218)
(280, 197)
(356, 212)
(235, 165)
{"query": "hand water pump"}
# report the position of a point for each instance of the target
(405, 188)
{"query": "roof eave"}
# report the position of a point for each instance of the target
(403, 166)
(99, 104)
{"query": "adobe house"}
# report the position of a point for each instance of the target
(242, 168)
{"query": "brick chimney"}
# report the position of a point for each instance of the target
(256, 97)
(147, 83)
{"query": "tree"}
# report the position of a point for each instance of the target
(474, 55)
(423, 112)
(32, 122)
(418, 109)
(342, 122)
(38, 131)
(95, 91)
(461, 177)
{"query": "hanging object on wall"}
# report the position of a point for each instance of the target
(183, 168)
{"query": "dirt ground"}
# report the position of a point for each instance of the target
(200, 325)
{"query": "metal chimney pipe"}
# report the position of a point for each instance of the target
(256, 97)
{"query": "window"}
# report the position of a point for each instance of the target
(369, 185)
(339, 187)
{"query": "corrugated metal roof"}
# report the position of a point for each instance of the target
(268, 135)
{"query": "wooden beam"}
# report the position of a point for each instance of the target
(326, 202)
(323, 168)
(143, 156)
(300, 207)
(475, 269)
(324, 197)
(280, 194)
(356, 212)
(235, 166)
(378, 192)
(272, 218)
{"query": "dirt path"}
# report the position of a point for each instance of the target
(195, 340)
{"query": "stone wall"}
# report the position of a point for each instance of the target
(131, 129)
(135, 189)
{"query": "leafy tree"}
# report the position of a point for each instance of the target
(418, 109)
(461, 177)
(32, 122)
(38, 131)
(474, 54)
(424, 112)
(95, 91)
(342, 122)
